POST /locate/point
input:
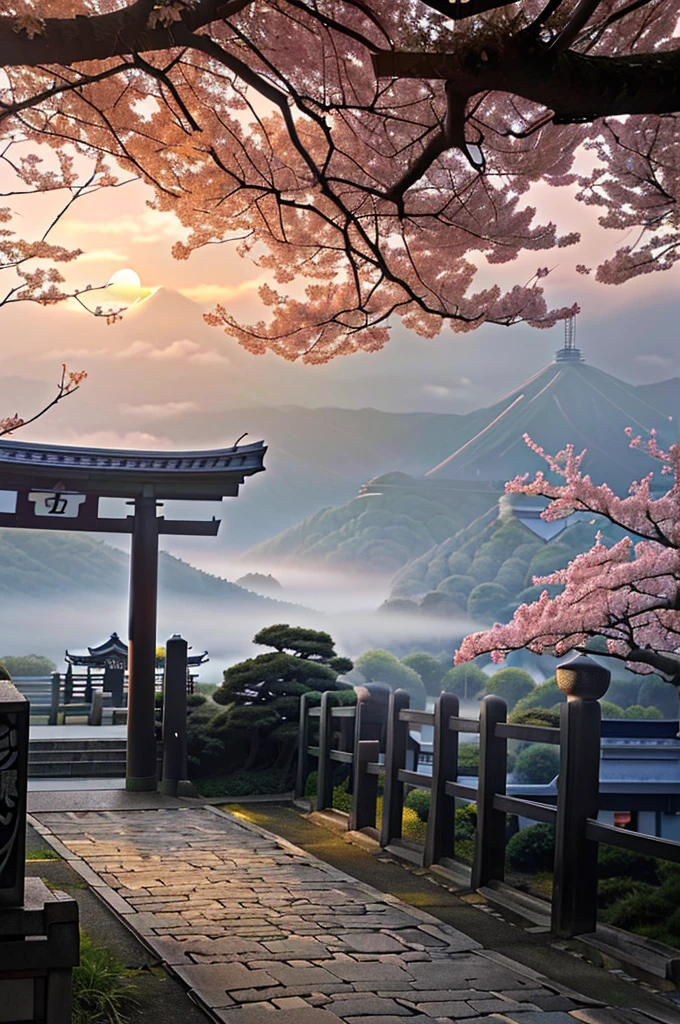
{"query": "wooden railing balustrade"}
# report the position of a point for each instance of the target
(376, 746)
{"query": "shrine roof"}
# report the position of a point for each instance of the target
(182, 474)
(116, 649)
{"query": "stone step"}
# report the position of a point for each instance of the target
(68, 744)
(116, 753)
(77, 769)
(78, 758)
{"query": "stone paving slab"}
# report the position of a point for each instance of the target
(263, 933)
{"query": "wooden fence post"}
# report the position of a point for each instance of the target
(96, 706)
(324, 789)
(395, 760)
(54, 699)
(441, 821)
(174, 776)
(303, 743)
(68, 685)
(574, 902)
(489, 860)
(365, 794)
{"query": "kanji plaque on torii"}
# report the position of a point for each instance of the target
(59, 487)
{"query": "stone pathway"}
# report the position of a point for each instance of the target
(255, 926)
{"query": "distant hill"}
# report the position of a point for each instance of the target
(395, 518)
(568, 401)
(486, 569)
(260, 583)
(316, 458)
(45, 564)
(664, 394)
(399, 517)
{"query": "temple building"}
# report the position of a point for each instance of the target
(108, 663)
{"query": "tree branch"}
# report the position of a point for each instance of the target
(576, 87)
(100, 37)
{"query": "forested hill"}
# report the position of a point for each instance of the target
(42, 564)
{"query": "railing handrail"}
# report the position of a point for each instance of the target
(635, 842)
(528, 733)
(458, 724)
(416, 717)
(380, 748)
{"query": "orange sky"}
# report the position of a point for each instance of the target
(165, 361)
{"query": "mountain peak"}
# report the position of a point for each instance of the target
(165, 302)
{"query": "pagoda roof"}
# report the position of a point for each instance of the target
(567, 402)
(199, 475)
(115, 649)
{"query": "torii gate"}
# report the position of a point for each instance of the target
(58, 488)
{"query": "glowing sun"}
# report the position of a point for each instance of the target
(124, 288)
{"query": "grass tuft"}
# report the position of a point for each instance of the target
(47, 853)
(101, 994)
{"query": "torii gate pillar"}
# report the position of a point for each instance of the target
(141, 730)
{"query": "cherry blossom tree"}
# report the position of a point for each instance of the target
(69, 383)
(627, 595)
(32, 264)
(385, 151)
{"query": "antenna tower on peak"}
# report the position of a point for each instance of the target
(569, 354)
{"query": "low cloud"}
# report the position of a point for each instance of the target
(134, 439)
(442, 392)
(207, 294)
(158, 411)
(185, 350)
(103, 256)
(654, 359)
(147, 226)
(72, 353)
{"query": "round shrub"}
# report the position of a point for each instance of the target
(437, 603)
(613, 862)
(458, 562)
(673, 923)
(458, 586)
(637, 712)
(610, 710)
(428, 668)
(536, 716)
(311, 785)
(195, 700)
(537, 764)
(525, 552)
(467, 680)
(512, 684)
(466, 821)
(549, 559)
(468, 759)
(646, 906)
(419, 801)
(532, 849)
(611, 890)
(511, 575)
(484, 568)
(545, 695)
(487, 601)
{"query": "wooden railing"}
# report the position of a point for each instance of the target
(60, 696)
(377, 747)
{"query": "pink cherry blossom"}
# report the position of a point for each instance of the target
(628, 594)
